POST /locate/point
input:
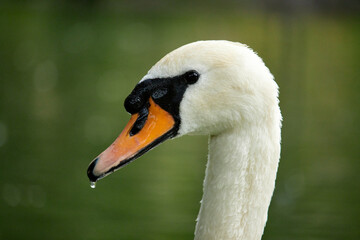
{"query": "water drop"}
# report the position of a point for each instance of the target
(92, 184)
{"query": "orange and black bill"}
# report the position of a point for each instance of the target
(142, 133)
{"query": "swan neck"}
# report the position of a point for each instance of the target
(239, 183)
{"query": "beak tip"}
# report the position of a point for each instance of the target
(90, 171)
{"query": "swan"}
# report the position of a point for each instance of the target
(222, 89)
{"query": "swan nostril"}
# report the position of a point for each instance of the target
(140, 121)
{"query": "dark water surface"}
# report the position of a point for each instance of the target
(64, 76)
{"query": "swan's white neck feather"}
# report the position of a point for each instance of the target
(239, 182)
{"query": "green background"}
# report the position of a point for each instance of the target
(65, 70)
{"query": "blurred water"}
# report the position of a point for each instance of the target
(64, 76)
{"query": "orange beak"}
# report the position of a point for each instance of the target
(127, 147)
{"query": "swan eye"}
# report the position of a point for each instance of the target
(191, 77)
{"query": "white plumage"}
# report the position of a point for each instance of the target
(224, 90)
(235, 101)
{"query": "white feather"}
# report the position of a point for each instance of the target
(235, 101)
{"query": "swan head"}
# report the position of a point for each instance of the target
(205, 87)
